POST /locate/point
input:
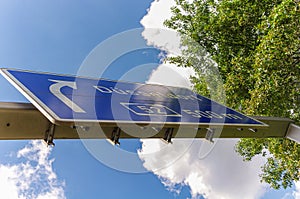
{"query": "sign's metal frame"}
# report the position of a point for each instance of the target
(24, 121)
(293, 133)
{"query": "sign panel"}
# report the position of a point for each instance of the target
(71, 99)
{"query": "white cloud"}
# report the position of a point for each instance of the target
(161, 10)
(155, 32)
(170, 75)
(33, 177)
(217, 173)
(158, 35)
(296, 193)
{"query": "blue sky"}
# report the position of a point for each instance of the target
(58, 36)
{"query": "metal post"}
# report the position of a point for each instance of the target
(210, 135)
(115, 136)
(293, 133)
(168, 135)
(49, 135)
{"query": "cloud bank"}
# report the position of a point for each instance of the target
(296, 193)
(219, 174)
(33, 177)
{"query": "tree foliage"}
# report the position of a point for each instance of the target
(256, 45)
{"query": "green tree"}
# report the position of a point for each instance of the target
(256, 45)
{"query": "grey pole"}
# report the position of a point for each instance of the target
(293, 133)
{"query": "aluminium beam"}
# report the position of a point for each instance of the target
(20, 121)
(293, 133)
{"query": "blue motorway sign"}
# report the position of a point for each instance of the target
(77, 99)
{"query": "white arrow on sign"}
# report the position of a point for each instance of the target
(55, 90)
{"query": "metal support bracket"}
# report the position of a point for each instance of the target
(293, 133)
(168, 135)
(49, 135)
(115, 136)
(210, 135)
